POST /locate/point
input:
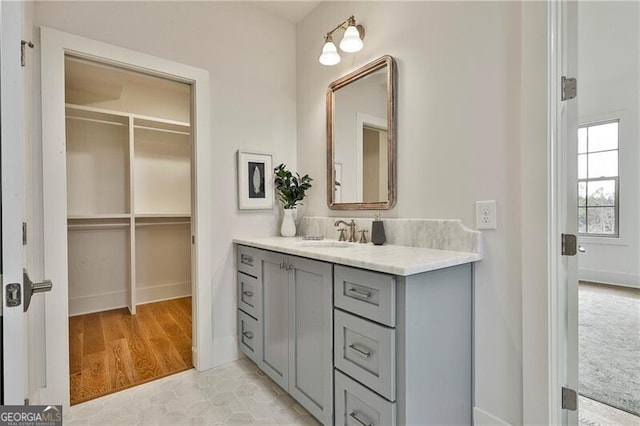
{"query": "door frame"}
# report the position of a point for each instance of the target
(54, 45)
(562, 309)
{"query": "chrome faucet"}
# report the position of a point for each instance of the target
(352, 229)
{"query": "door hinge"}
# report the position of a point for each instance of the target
(24, 233)
(569, 245)
(23, 48)
(193, 239)
(569, 88)
(569, 399)
(26, 401)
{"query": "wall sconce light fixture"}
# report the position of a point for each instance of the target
(351, 41)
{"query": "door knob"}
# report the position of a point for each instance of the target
(30, 288)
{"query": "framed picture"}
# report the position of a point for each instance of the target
(255, 181)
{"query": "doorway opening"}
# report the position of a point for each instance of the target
(374, 164)
(129, 186)
(608, 207)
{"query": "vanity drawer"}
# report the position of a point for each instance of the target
(366, 293)
(366, 351)
(249, 295)
(358, 406)
(249, 337)
(249, 261)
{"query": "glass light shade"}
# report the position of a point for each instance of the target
(329, 54)
(351, 41)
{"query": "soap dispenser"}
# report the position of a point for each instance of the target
(377, 231)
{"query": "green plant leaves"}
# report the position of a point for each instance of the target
(291, 189)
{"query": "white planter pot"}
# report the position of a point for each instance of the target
(288, 228)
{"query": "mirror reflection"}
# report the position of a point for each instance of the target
(361, 138)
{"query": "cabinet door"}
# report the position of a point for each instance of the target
(275, 317)
(311, 342)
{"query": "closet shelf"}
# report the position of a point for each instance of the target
(128, 115)
(161, 215)
(99, 216)
(156, 129)
(96, 120)
(170, 223)
(108, 216)
(97, 226)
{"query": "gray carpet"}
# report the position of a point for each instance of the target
(609, 345)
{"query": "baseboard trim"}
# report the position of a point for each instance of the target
(482, 418)
(97, 303)
(609, 277)
(119, 299)
(225, 350)
(162, 292)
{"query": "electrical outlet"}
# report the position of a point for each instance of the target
(486, 215)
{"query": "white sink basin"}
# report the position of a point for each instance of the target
(324, 243)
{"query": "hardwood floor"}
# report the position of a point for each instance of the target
(113, 350)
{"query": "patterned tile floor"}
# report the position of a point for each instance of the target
(234, 394)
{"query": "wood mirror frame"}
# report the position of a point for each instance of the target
(384, 62)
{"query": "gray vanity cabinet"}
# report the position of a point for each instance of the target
(294, 327)
(275, 318)
(249, 285)
(399, 347)
(311, 337)
(402, 347)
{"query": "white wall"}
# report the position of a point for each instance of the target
(534, 223)
(609, 77)
(250, 55)
(459, 110)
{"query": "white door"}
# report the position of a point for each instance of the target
(14, 325)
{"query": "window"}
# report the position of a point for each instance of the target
(598, 179)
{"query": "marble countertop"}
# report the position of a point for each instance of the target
(392, 259)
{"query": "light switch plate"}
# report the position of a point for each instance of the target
(486, 214)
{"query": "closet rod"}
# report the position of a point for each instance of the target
(96, 226)
(178, 132)
(161, 224)
(95, 120)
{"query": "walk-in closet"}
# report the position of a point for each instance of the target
(129, 197)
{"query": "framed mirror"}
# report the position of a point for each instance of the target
(361, 140)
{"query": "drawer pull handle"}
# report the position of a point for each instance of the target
(248, 334)
(246, 259)
(354, 416)
(247, 293)
(361, 293)
(360, 351)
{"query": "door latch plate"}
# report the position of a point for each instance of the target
(14, 295)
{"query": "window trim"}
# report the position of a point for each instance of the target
(586, 180)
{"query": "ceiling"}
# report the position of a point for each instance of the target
(292, 11)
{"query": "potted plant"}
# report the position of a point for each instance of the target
(291, 191)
